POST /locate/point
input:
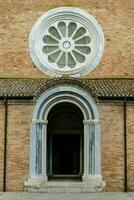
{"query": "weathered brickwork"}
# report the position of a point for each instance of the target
(130, 137)
(116, 18)
(18, 17)
(111, 121)
(19, 120)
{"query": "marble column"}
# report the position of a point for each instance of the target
(91, 149)
(38, 151)
(86, 151)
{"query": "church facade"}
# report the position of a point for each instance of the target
(66, 97)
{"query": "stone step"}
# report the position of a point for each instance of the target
(65, 187)
(63, 190)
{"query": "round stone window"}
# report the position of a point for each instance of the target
(66, 41)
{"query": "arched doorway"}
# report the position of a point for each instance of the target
(65, 141)
(91, 166)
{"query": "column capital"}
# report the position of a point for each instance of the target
(39, 121)
(91, 121)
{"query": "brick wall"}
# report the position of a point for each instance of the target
(18, 17)
(130, 136)
(111, 120)
(19, 120)
(116, 19)
(112, 133)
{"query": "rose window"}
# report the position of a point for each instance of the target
(67, 44)
(66, 41)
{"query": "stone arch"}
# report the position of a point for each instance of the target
(38, 133)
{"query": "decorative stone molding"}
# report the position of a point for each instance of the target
(67, 82)
(66, 41)
(91, 172)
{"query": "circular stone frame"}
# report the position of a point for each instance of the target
(75, 55)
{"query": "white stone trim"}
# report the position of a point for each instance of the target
(60, 90)
(91, 121)
(86, 104)
(67, 15)
(38, 121)
(35, 181)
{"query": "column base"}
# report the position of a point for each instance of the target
(94, 181)
(89, 183)
(35, 181)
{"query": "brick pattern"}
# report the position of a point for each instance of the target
(116, 19)
(111, 120)
(130, 144)
(18, 17)
(18, 146)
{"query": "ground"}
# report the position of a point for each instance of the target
(53, 196)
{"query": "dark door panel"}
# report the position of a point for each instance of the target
(66, 154)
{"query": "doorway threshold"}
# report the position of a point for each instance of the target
(67, 185)
(72, 178)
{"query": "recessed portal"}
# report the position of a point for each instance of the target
(65, 141)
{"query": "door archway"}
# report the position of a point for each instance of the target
(91, 136)
(65, 141)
